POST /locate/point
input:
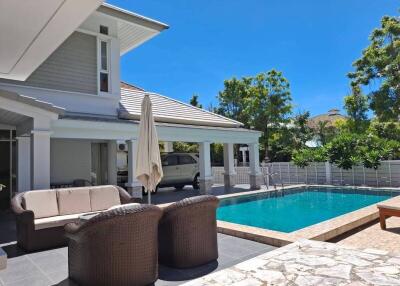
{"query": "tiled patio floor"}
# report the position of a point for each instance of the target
(311, 263)
(373, 237)
(51, 267)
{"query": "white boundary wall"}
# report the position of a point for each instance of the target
(387, 175)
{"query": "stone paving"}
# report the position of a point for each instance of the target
(372, 236)
(308, 262)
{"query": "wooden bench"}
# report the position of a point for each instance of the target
(388, 209)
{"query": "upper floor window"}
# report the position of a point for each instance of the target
(103, 30)
(104, 76)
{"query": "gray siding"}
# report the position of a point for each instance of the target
(72, 67)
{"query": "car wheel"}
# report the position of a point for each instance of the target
(196, 183)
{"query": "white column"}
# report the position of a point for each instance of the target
(23, 164)
(168, 147)
(206, 179)
(255, 172)
(112, 162)
(40, 159)
(229, 167)
(328, 173)
(133, 185)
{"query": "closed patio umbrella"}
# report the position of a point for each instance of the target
(148, 163)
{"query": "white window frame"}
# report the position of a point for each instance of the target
(107, 39)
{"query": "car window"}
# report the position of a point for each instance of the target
(186, 159)
(170, 160)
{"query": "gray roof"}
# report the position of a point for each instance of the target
(169, 110)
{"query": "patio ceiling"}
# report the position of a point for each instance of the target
(31, 30)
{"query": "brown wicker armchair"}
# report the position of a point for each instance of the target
(30, 237)
(116, 247)
(188, 232)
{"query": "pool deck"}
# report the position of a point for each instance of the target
(323, 231)
(308, 262)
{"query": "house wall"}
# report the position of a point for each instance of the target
(72, 67)
(69, 160)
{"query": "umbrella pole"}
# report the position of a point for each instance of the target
(149, 197)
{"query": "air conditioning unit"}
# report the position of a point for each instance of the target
(122, 147)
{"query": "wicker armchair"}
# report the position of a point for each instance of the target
(116, 247)
(188, 233)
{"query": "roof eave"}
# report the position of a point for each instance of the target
(131, 17)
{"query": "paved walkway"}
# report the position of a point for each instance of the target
(311, 263)
(373, 237)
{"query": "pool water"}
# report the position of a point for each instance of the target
(294, 209)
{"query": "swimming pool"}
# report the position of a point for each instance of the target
(293, 209)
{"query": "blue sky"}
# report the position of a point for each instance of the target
(312, 42)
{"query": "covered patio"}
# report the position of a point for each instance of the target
(56, 147)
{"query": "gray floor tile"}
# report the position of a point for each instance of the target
(19, 269)
(38, 280)
(49, 262)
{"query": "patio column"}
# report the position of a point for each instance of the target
(23, 163)
(40, 159)
(244, 154)
(133, 185)
(255, 172)
(168, 147)
(229, 167)
(112, 162)
(206, 179)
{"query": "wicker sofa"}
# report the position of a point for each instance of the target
(116, 247)
(41, 215)
(188, 232)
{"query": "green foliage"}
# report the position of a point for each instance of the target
(324, 132)
(349, 149)
(342, 151)
(232, 100)
(269, 104)
(195, 101)
(301, 131)
(387, 130)
(185, 147)
(356, 105)
(380, 64)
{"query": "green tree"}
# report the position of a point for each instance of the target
(233, 99)
(356, 105)
(301, 131)
(380, 64)
(268, 105)
(195, 101)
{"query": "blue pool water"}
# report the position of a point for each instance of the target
(297, 208)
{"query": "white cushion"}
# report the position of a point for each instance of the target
(103, 197)
(42, 203)
(73, 201)
(56, 221)
(127, 206)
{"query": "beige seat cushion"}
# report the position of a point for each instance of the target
(56, 221)
(42, 203)
(73, 200)
(104, 197)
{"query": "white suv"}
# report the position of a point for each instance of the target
(180, 169)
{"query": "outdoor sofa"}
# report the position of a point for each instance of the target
(188, 232)
(115, 247)
(41, 215)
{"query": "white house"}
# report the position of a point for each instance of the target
(63, 108)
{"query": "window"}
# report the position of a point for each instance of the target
(186, 159)
(170, 161)
(104, 76)
(103, 30)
